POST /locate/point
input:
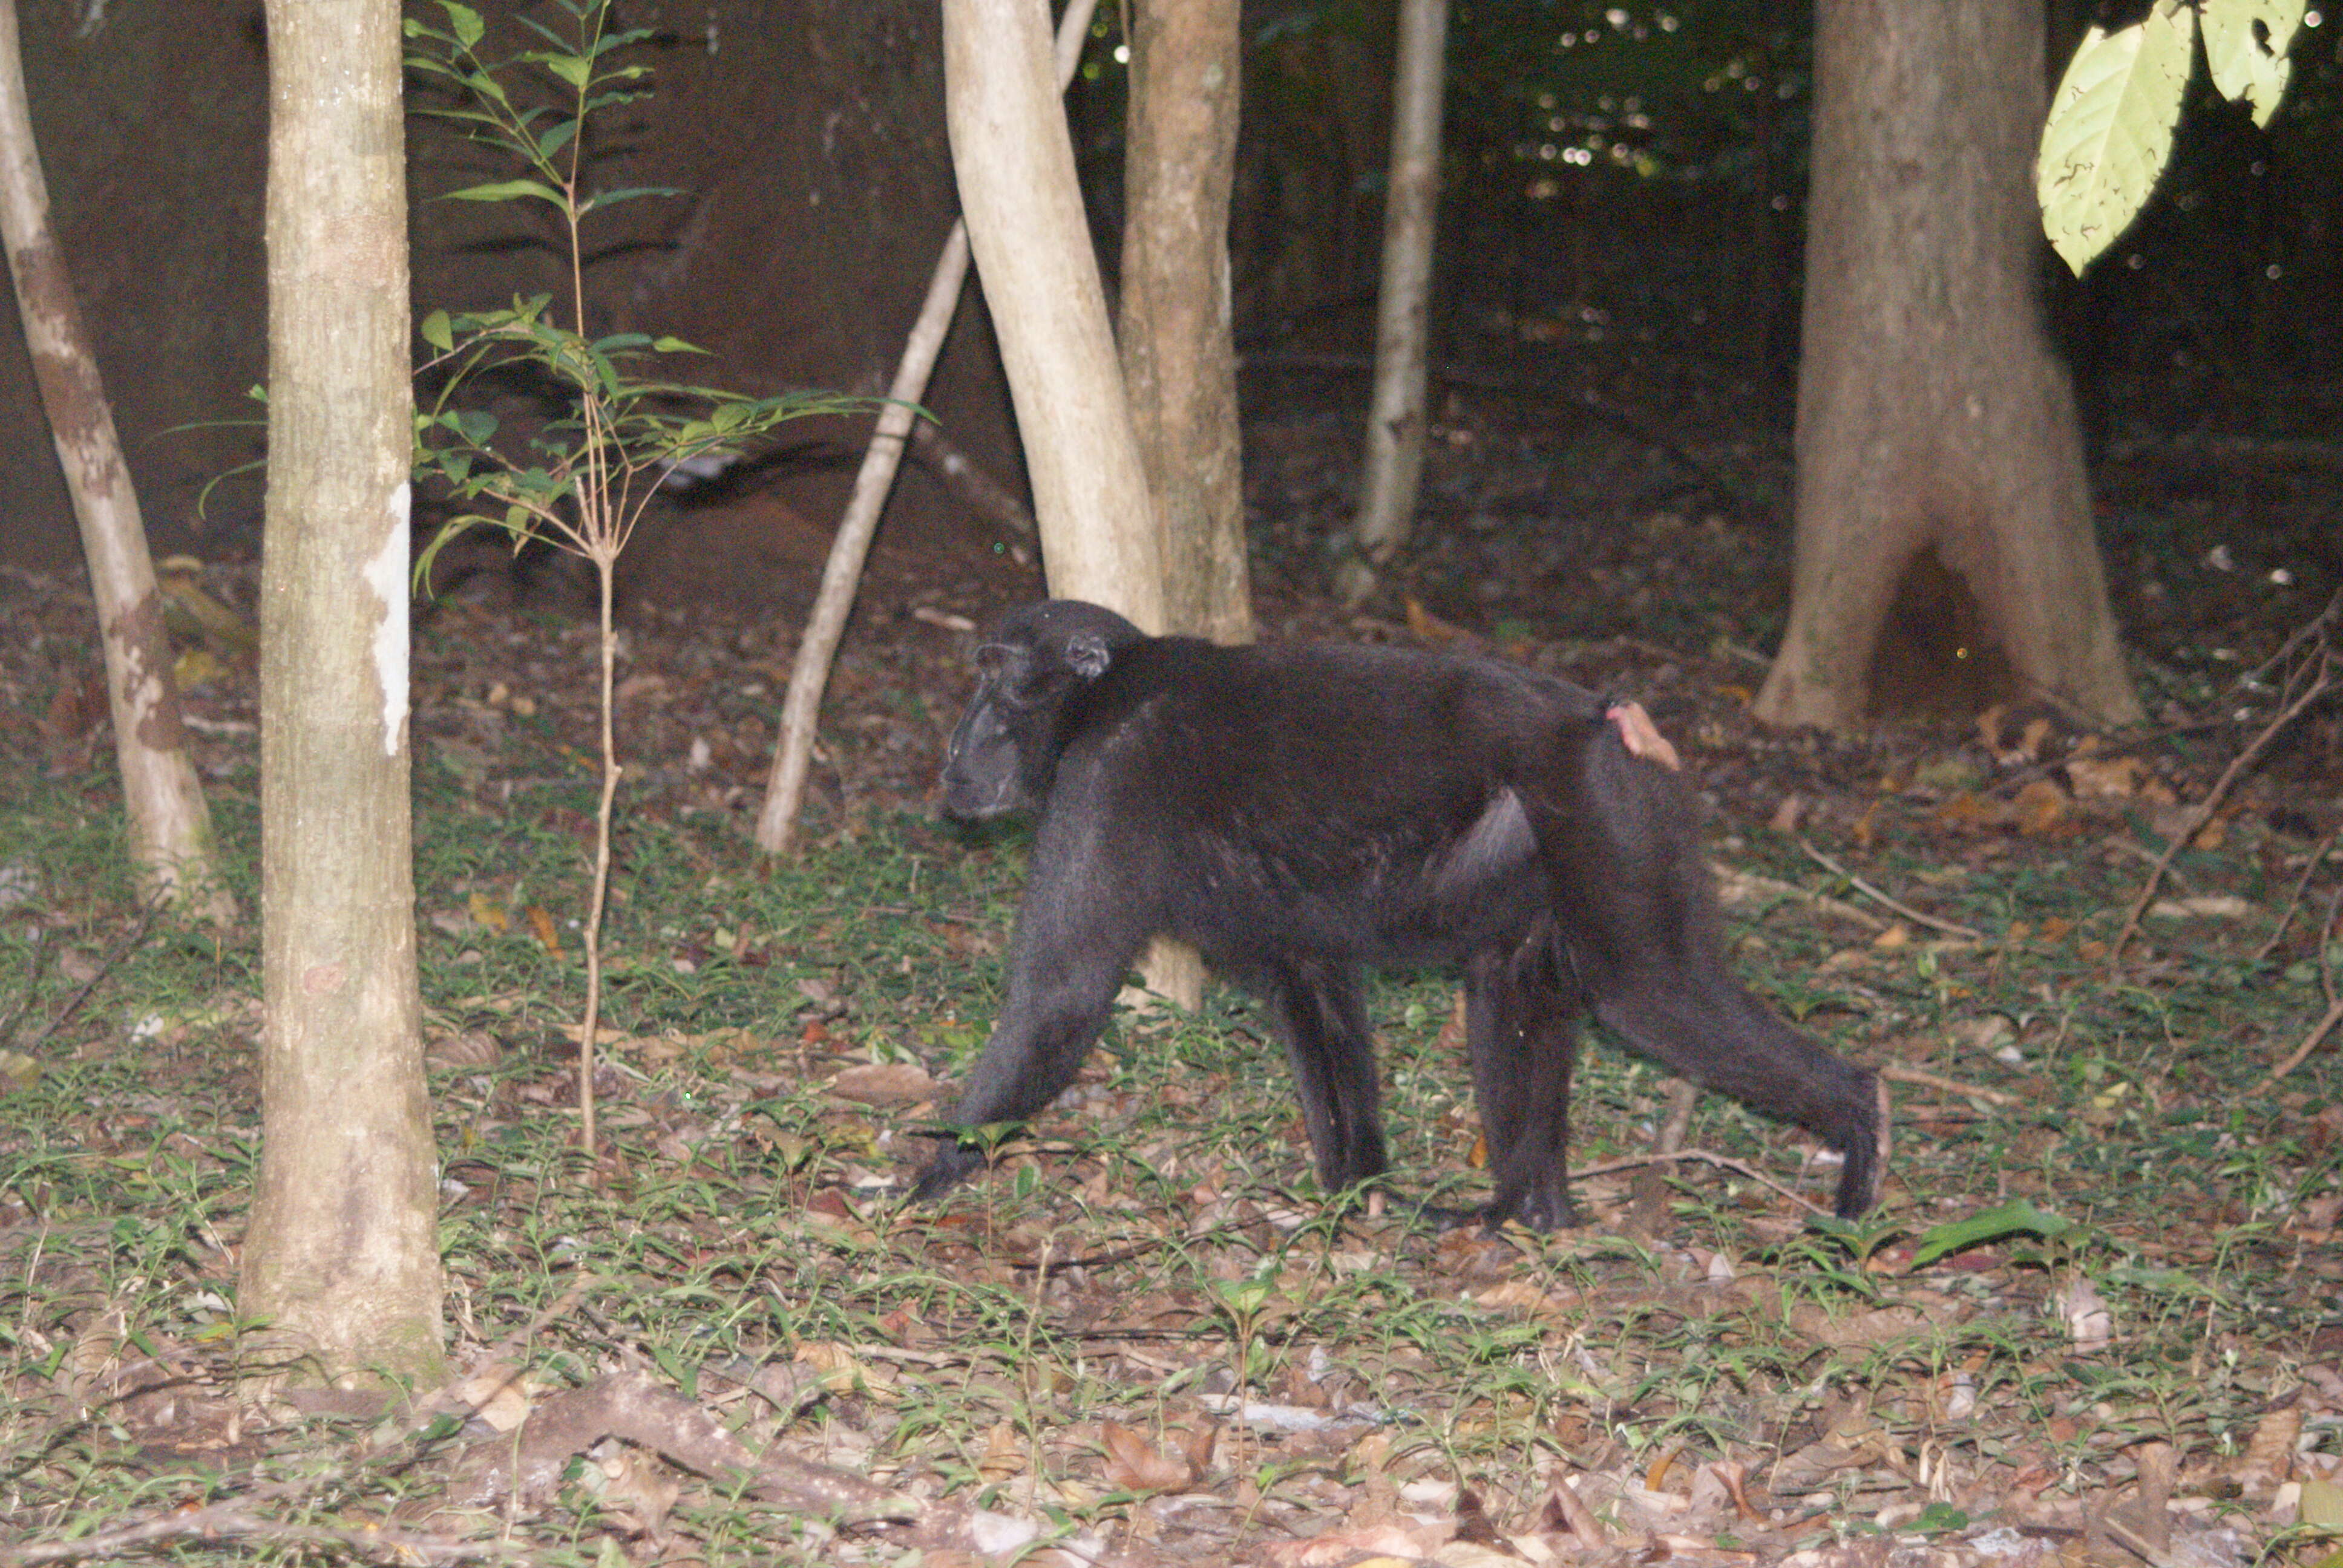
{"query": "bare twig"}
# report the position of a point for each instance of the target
(2294, 899)
(1927, 1079)
(121, 950)
(1701, 1157)
(1732, 880)
(1950, 928)
(2334, 1014)
(234, 1520)
(2301, 1053)
(2321, 683)
(969, 480)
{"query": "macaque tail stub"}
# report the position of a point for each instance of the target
(1640, 735)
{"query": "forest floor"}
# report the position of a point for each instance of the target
(2098, 1318)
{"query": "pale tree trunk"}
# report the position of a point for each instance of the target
(1015, 165)
(1395, 414)
(340, 1262)
(842, 571)
(1179, 350)
(1179, 347)
(170, 825)
(1934, 430)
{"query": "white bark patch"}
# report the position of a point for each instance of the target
(387, 574)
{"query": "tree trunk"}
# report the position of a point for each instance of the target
(1015, 165)
(1178, 349)
(1395, 419)
(1179, 352)
(170, 825)
(1944, 524)
(341, 1260)
(842, 573)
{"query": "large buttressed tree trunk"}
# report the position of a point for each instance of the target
(1014, 161)
(1178, 353)
(170, 824)
(1937, 451)
(341, 1261)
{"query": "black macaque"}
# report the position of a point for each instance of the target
(1299, 812)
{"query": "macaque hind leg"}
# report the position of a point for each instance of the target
(1521, 1023)
(1319, 1016)
(1633, 903)
(1710, 1031)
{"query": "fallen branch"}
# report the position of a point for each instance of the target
(1900, 1073)
(1730, 881)
(2334, 1015)
(2193, 820)
(1950, 928)
(2294, 898)
(1701, 1157)
(968, 479)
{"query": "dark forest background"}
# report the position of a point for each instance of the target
(1622, 218)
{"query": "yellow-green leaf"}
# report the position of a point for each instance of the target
(2110, 129)
(505, 190)
(2246, 43)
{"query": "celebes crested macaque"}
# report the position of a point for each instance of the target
(1299, 812)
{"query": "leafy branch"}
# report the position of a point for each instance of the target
(582, 481)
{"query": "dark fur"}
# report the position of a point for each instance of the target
(1297, 813)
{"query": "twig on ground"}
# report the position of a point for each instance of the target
(233, 1521)
(1950, 928)
(136, 934)
(2294, 898)
(1729, 879)
(2321, 683)
(1702, 1157)
(1900, 1073)
(2334, 1015)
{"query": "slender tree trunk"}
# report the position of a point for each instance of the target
(1934, 426)
(1395, 417)
(341, 1262)
(1179, 351)
(170, 825)
(1015, 165)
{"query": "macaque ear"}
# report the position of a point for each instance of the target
(1087, 656)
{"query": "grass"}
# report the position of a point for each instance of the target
(1147, 1326)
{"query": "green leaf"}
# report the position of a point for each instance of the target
(555, 139)
(571, 68)
(435, 333)
(2109, 131)
(2246, 43)
(673, 345)
(453, 529)
(2322, 1506)
(608, 42)
(505, 190)
(605, 198)
(468, 28)
(2018, 1217)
